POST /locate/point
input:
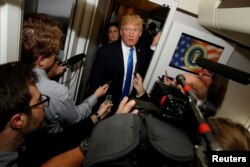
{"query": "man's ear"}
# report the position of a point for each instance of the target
(18, 120)
(39, 61)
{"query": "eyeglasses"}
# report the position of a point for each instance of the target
(135, 30)
(44, 101)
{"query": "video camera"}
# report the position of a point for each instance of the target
(170, 100)
(170, 104)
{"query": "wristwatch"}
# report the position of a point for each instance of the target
(98, 117)
(84, 146)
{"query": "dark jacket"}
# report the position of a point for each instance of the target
(109, 66)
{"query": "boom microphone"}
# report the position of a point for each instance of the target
(73, 60)
(223, 70)
(186, 88)
(203, 127)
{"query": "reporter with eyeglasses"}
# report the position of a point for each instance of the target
(21, 109)
(217, 87)
(22, 113)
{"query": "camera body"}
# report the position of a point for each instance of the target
(172, 102)
(174, 105)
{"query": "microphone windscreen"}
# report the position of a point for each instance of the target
(180, 79)
(223, 70)
(73, 60)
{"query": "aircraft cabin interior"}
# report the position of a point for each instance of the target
(222, 24)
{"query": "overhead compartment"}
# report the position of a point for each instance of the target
(229, 18)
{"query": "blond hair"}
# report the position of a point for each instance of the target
(132, 18)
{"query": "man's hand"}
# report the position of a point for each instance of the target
(155, 40)
(102, 112)
(56, 69)
(101, 90)
(126, 106)
(138, 85)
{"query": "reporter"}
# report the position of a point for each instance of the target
(229, 134)
(217, 87)
(56, 69)
(21, 109)
(41, 41)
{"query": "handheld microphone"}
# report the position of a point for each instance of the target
(73, 60)
(186, 88)
(223, 70)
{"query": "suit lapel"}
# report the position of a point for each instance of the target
(120, 58)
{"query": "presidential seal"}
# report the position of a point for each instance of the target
(192, 54)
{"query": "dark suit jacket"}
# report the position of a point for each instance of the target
(108, 66)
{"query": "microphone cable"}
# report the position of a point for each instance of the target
(74, 69)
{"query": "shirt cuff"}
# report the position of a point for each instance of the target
(140, 94)
(153, 48)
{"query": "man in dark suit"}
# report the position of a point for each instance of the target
(110, 64)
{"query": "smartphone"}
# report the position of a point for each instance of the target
(108, 98)
(161, 78)
(109, 82)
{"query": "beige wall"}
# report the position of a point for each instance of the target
(190, 6)
(236, 104)
(10, 23)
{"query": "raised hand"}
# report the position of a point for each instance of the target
(102, 90)
(126, 106)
